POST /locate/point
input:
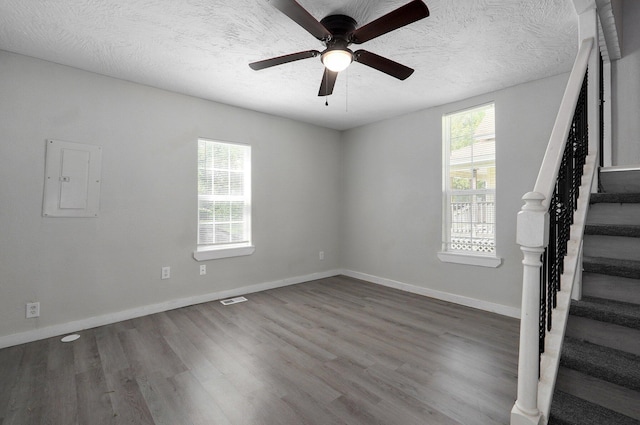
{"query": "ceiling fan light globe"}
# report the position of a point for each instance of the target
(337, 60)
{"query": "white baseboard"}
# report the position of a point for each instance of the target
(432, 293)
(106, 319)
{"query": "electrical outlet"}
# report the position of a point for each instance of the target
(33, 310)
(321, 255)
(166, 272)
(203, 269)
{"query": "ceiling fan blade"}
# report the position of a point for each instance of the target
(382, 64)
(398, 18)
(328, 81)
(299, 14)
(267, 63)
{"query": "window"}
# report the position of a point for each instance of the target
(469, 186)
(224, 200)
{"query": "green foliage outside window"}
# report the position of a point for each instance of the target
(463, 127)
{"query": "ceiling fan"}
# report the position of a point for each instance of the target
(338, 32)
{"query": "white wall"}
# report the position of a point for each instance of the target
(392, 213)
(626, 90)
(81, 268)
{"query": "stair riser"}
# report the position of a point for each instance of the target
(604, 213)
(613, 366)
(611, 287)
(618, 247)
(606, 394)
(606, 334)
(620, 181)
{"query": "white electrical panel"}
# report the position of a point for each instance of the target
(72, 180)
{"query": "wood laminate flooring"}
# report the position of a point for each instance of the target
(331, 351)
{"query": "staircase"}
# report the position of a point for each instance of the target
(599, 377)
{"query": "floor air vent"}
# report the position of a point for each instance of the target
(235, 300)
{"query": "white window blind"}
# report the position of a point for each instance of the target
(224, 194)
(470, 181)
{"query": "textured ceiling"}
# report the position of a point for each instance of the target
(203, 47)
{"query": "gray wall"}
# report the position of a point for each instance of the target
(392, 219)
(80, 268)
(626, 90)
(370, 198)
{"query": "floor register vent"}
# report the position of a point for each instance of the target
(235, 300)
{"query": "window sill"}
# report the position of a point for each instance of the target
(205, 254)
(470, 259)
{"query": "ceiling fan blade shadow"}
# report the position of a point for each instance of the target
(328, 82)
(382, 64)
(299, 15)
(398, 18)
(267, 63)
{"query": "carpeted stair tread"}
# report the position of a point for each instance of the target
(605, 310)
(627, 230)
(612, 266)
(614, 198)
(608, 364)
(567, 409)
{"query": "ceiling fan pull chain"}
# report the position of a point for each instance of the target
(346, 96)
(326, 96)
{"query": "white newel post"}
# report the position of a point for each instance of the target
(533, 237)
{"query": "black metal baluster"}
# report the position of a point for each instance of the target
(562, 206)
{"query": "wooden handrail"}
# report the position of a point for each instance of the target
(548, 173)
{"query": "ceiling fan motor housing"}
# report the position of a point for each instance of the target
(340, 26)
(338, 56)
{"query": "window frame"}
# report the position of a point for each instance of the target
(205, 252)
(474, 258)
